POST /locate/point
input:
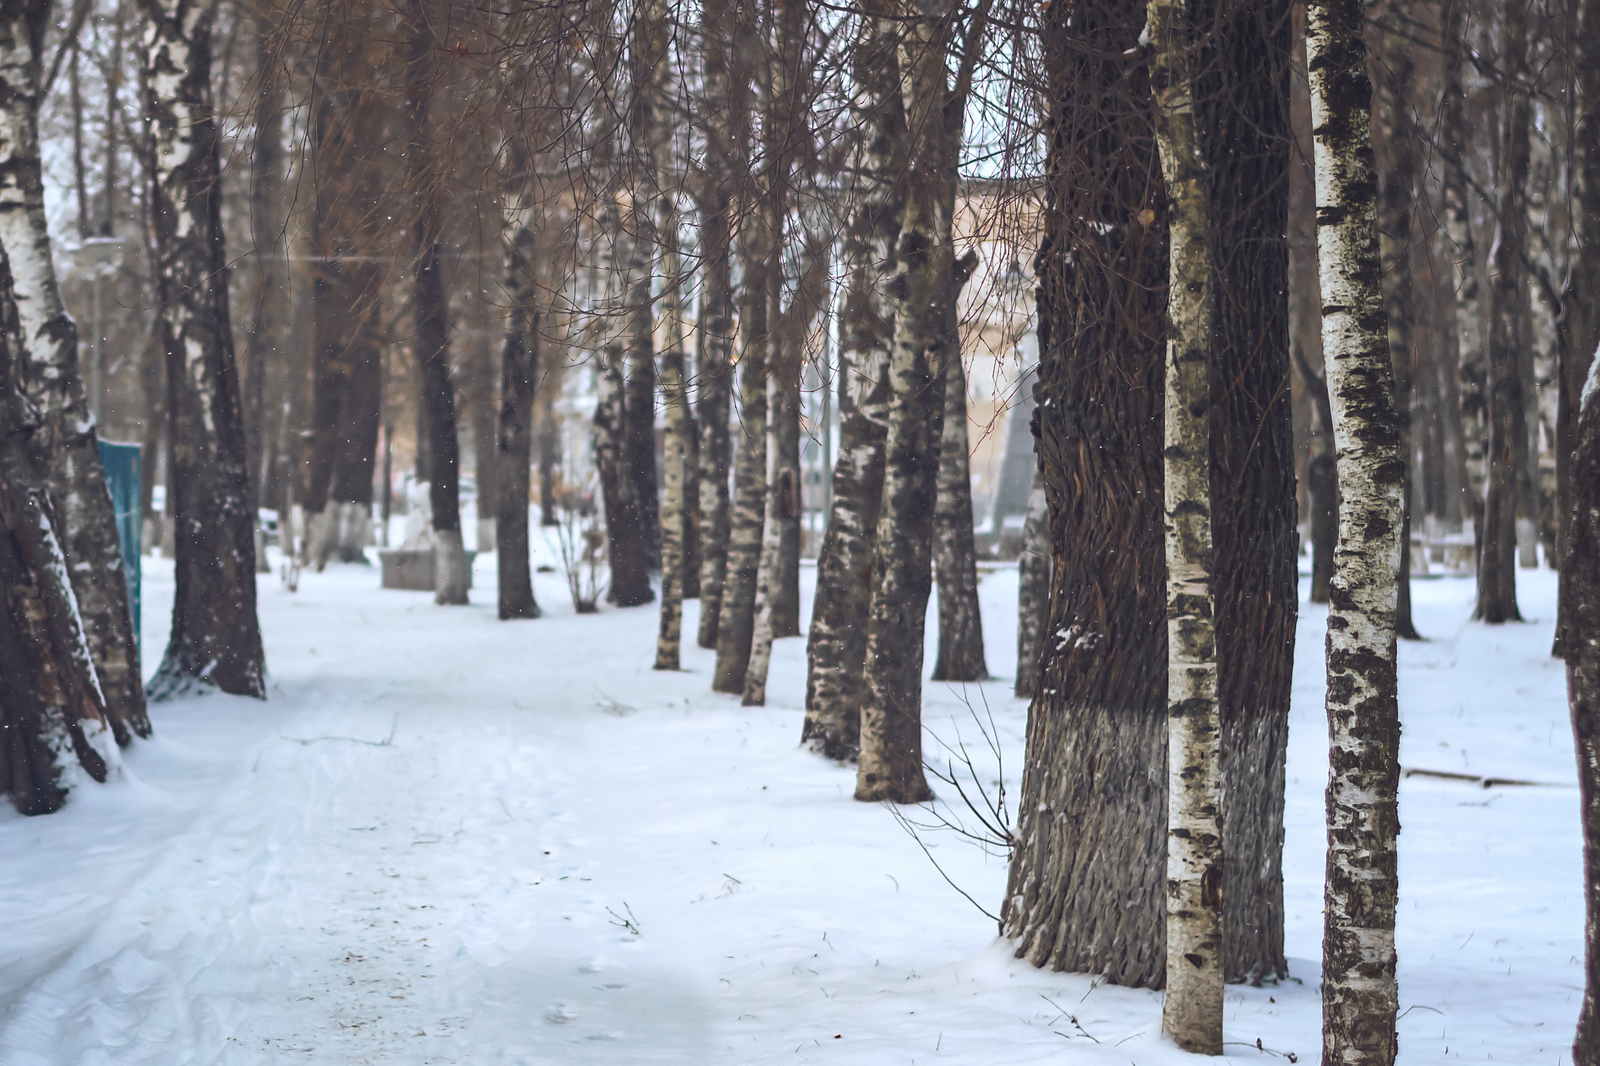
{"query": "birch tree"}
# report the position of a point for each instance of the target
(836, 648)
(47, 350)
(725, 58)
(216, 639)
(1359, 995)
(1192, 1009)
(52, 711)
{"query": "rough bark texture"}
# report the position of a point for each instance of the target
(1192, 1009)
(432, 310)
(1085, 891)
(1359, 995)
(920, 293)
(1580, 311)
(1033, 586)
(960, 656)
(52, 712)
(519, 374)
(728, 59)
(736, 627)
(216, 639)
(836, 648)
(50, 379)
(1506, 410)
(1580, 590)
(1248, 140)
(269, 310)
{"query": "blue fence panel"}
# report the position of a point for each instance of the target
(122, 464)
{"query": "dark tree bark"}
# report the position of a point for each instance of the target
(1580, 312)
(784, 423)
(519, 374)
(1322, 481)
(1248, 141)
(732, 45)
(1470, 371)
(1033, 587)
(960, 656)
(269, 311)
(713, 377)
(549, 433)
(46, 370)
(1497, 557)
(216, 639)
(1580, 591)
(1086, 889)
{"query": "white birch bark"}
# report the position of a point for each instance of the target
(52, 381)
(1192, 1012)
(1359, 993)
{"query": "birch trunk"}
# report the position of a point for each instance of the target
(1464, 264)
(1033, 586)
(1580, 591)
(836, 646)
(49, 377)
(769, 575)
(890, 766)
(216, 639)
(960, 656)
(713, 376)
(1359, 995)
(52, 711)
(736, 627)
(728, 63)
(1085, 891)
(1192, 1010)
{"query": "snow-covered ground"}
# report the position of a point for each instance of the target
(449, 839)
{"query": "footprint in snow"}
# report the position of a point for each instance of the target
(560, 1014)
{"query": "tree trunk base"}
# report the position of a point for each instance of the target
(452, 572)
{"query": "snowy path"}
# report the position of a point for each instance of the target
(420, 850)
